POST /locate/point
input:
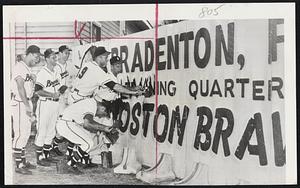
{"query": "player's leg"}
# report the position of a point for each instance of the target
(53, 108)
(70, 148)
(42, 121)
(26, 123)
(73, 133)
(19, 139)
(55, 145)
(58, 138)
(84, 151)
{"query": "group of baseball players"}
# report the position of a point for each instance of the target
(63, 111)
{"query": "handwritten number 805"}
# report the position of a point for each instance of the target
(207, 12)
(82, 72)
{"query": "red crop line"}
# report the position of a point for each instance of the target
(146, 38)
(81, 29)
(156, 78)
(65, 38)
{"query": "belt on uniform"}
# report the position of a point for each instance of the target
(52, 99)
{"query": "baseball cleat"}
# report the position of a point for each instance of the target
(90, 165)
(43, 162)
(23, 171)
(51, 160)
(28, 165)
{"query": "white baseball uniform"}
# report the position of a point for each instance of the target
(47, 109)
(21, 122)
(64, 76)
(105, 92)
(69, 123)
(62, 70)
(88, 79)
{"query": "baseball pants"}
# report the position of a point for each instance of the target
(62, 105)
(47, 116)
(21, 124)
(75, 134)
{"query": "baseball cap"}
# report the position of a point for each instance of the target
(100, 51)
(63, 47)
(115, 59)
(33, 49)
(48, 52)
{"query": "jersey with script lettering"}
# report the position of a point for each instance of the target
(23, 71)
(78, 110)
(105, 92)
(62, 70)
(89, 78)
(50, 81)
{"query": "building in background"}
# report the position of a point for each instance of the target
(53, 34)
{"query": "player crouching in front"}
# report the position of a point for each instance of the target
(77, 124)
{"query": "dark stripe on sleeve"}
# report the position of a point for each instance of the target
(110, 84)
(37, 87)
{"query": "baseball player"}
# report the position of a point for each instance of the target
(105, 92)
(94, 74)
(47, 87)
(35, 97)
(76, 124)
(112, 97)
(22, 90)
(61, 68)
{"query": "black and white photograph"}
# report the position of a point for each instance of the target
(152, 94)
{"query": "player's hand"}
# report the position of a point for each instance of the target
(33, 119)
(117, 124)
(28, 111)
(108, 129)
(139, 92)
(33, 77)
(63, 89)
(148, 93)
(136, 88)
(112, 135)
(56, 95)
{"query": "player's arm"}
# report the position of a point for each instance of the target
(91, 125)
(22, 92)
(136, 88)
(34, 101)
(121, 89)
(41, 92)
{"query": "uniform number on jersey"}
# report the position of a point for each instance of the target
(80, 75)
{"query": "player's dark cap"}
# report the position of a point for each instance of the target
(33, 49)
(48, 52)
(100, 51)
(63, 48)
(115, 60)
